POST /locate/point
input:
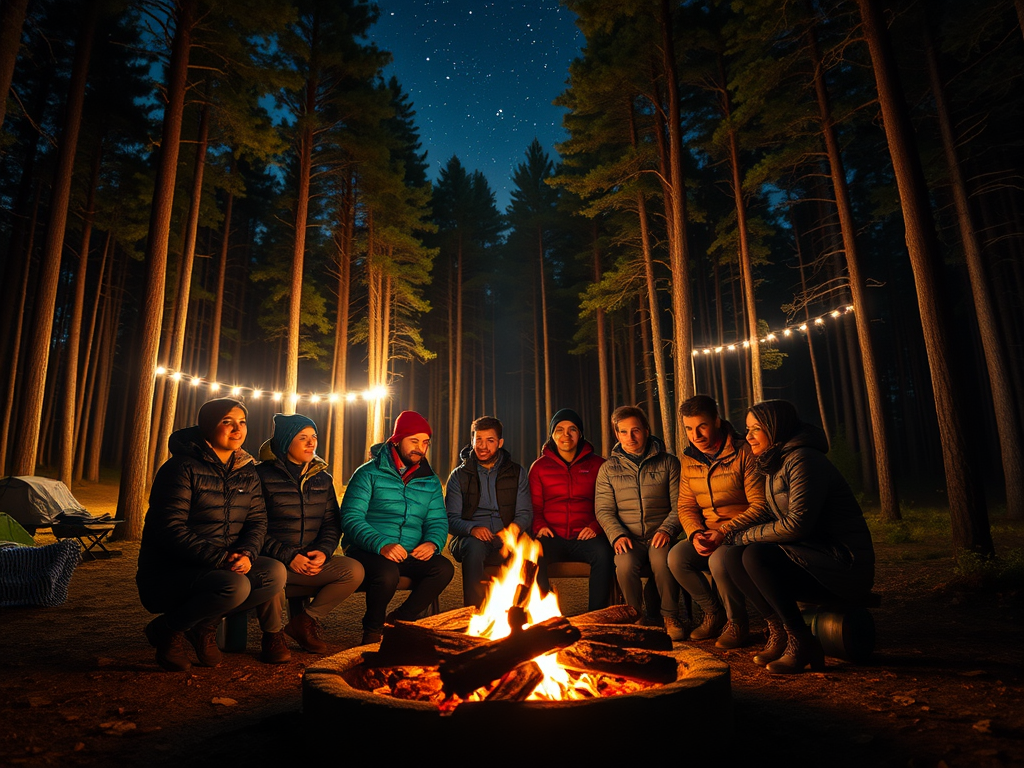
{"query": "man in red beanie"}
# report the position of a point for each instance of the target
(395, 524)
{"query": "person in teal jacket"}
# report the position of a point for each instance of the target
(394, 522)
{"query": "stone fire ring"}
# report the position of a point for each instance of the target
(691, 716)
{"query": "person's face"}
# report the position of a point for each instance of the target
(757, 438)
(566, 436)
(413, 448)
(631, 435)
(231, 431)
(486, 444)
(703, 431)
(303, 446)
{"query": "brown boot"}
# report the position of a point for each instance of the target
(676, 629)
(274, 649)
(169, 644)
(802, 649)
(734, 635)
(710, 627)
(204, 640)
(775, 642)
(307, 632)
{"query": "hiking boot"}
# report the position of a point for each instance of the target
(676, 629)
(710, 627)
(733, 635)
(307, 632)
(169, 644)
(370, 637)
(802, 648)
(204, 640)
(775, 642)
(274, 649)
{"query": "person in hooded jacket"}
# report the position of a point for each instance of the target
(562, 491)
(200, 554)
(807, 541)
(303, 530)
(635, 501)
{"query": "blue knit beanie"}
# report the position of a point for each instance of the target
(285, 430)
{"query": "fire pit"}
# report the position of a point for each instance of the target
(644, 698)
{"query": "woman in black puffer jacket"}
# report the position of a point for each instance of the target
(200, 553)
(303, 531)
(807, 541)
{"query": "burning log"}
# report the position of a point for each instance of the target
(627, 636)
(407, 643)
(587, 656)
(456, 621)
(613, 614)
(469, 670)
(518, 684)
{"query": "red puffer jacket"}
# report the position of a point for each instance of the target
(563, 495)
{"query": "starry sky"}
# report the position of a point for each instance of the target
(482, 76)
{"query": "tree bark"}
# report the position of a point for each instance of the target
(132, 495)
(967, 509)
(12, 18)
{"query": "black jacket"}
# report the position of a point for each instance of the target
(301, 517)
(201, 510)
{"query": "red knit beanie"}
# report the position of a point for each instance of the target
(409, 423)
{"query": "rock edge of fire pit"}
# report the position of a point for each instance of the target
(593, 731)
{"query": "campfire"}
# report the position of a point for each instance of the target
(518, 647)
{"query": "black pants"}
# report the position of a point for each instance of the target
(769, 579)
(429, 578)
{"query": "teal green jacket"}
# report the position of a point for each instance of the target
(379, 508)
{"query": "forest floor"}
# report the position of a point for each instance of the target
(945, 687)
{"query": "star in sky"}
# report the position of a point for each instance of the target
(482, 76)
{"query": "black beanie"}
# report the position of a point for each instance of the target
(213, 411)
(566, 414)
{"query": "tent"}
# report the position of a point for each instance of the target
(37, 502)
(12, 532)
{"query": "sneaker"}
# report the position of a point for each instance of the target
(733, 636)
(371, 638)
(307, 632)
(204, 640)
(710, 627)
(169, 644)
(274, 649)
(676, 629)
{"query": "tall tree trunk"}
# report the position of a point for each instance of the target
(1008, 419)
(647, 354)
(343, 239)
(602, 350)
(132, 496)
(724, 406)
(888, 502)
(12, 18)
(181, 303)
(808, 329)
(546, 338)
(213, 367)
(459, 380)
(90, 365)
(967, 509)
(49, 274)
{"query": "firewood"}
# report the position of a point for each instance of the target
(613, 614)
(469, 670)
(407, 643)
(627, 636)
(648, 667)
(518, 684)
(457, 620)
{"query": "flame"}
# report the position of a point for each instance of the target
(492, 621)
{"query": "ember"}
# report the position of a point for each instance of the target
(518, 647)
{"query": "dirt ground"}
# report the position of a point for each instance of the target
(79, 685)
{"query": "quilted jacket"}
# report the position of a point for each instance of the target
(380, 508)
(301, 517)
(563, 494)
(638, 500)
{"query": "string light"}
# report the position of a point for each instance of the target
(772, 336)
(378, 393)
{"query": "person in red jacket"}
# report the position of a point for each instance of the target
(562, 490)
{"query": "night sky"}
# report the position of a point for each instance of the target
(482, 77)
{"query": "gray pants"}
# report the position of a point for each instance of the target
(689, 568)
(339, 578)
(630, 564)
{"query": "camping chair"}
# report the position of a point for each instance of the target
(90, 537)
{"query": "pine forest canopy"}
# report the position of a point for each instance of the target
(821, 202)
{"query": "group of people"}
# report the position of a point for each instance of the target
(764, 518)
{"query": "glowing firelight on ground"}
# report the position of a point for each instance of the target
(522, 553)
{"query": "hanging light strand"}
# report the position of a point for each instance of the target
(772, 336)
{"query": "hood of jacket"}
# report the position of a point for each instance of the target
(809, 436)
(316, 466)
(190, 442)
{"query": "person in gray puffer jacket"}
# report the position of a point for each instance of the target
(635, 503)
